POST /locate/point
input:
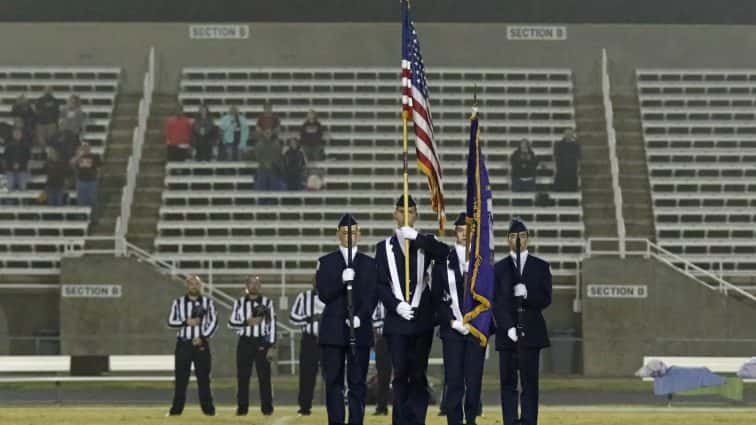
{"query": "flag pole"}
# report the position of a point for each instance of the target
(470, 220)
(405, 156)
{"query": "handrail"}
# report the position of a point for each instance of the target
(132, 168)
(648, 249)
(612, 140)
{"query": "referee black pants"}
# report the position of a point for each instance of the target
(251, 351)
(186, 354)
(309, 356)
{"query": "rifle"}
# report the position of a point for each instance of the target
(350, 301)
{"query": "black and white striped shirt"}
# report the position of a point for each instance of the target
(243, 310)
(379, 315)
(306, 312)
(181, 311)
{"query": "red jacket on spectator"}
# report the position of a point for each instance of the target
(178, 130)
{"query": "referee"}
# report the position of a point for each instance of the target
(196, 320)
(306, 313)
(254, 319)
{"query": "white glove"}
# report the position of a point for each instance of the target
(356, 322)
(512, 334)
(460, 327)
(347, 275)
(521, 290)
(405, 310)
(466, 267)
(408, 233)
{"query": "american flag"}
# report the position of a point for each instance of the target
(416, 102)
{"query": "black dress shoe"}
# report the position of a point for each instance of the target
(304, 412)
(380, 412)
(241, 412)
(267, 413)
(210, 413)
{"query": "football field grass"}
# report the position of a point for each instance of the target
(550, 415)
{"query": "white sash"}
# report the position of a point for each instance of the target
(396, 287)
(453, 292)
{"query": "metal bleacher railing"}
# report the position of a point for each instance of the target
(648, 249)
(613, 161)
(132, 170)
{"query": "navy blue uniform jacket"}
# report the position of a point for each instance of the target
(332, 291)
(424, 315)
(442, 297)
(537, 278)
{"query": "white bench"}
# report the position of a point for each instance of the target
(57, 369)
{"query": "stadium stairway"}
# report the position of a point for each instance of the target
(636, 189)
(150, 182)
(595, 173)
(113, 171)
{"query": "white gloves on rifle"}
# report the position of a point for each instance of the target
(521, 290)
(408, 233)
(347, 275)
(512, 334)
(405, 311)
(460, 327)
(355, 320)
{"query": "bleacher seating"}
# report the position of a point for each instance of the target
(212, 219)
(96, 87)
(700, 136)
(33, 236)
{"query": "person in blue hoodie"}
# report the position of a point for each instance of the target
(234, 132)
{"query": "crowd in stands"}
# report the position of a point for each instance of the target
(53, 129)
(282, 164)
(525, 165)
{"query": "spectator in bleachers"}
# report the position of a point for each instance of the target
(204, 135)
(566, 157)
(524, 167)
(312, 136)
(178, 136)
(6, 131)
(87, 165)
(24, 115)
(56, 169)
(268, 153)
(48, 114)
(234, 132)
(294, 166)
(17, 156)
(268, 120)
(65, 143)
(72, 117)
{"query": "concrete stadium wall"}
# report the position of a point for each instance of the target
(364, 44)
(137, 322)
(679, 317)
(23, 315)
(134, 323)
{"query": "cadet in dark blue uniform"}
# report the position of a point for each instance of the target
(463, 355)
(408, 327)
(331, 279)
(519, 352)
